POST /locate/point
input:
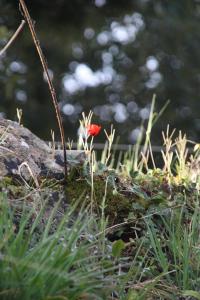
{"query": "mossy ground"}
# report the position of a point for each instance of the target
(127, 200)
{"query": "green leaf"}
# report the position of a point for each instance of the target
(158, 198)
(117, 248)
(139, 192)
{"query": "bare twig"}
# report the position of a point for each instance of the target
(49, 81)
(13, 37)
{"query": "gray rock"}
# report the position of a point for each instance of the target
(24, 154)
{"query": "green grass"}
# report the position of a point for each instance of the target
(129, 233)
(38, 264)
(174, 247)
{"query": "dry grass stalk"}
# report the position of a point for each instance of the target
(110, 138)
(26, 14)
(19, 116)
(30, 172)
(13, 37)
(181, 153)
(83, 134)
(167, 155)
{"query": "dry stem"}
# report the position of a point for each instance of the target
(49, 81)
(13, 37)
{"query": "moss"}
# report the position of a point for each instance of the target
(125, 198)
(12, 187)
(117, 205)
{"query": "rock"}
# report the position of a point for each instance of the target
(24, 154)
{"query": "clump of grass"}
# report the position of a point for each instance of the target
(174, 247)
(37, 263)
(62, 256)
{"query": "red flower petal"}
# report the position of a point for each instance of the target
(93, 129)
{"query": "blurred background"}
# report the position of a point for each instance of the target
(108, 56)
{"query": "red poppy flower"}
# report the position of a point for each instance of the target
(93, 129)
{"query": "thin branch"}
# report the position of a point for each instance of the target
(26, 14)
(13, 37)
